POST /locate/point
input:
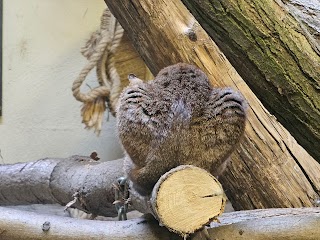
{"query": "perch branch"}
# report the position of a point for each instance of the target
(267, 224)
(57, 180)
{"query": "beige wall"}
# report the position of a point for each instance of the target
(41, 42)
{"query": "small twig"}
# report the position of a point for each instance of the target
(75, 199)
(121, 196)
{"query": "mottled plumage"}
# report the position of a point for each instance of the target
(178, 118)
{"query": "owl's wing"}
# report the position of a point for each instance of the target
(143, 118)
(221, 124)
(133, 121)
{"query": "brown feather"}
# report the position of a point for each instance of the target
(178, 118)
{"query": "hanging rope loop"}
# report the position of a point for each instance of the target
(100, 50)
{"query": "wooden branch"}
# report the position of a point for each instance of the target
(280, 224)
(56, 180)
(255, 225)
(269, 169)
(275, 54)
(16, 224)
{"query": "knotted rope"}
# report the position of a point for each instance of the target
(99, 50)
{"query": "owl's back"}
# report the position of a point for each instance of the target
(176, 119)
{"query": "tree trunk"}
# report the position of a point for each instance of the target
(275, 224)
(269, 169)
(275, 54)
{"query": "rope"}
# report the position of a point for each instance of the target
(100, 50)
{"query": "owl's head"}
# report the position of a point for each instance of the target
(182, 76)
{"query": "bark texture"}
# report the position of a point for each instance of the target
(269, 169)
(255, 225)
(56, 180)
(275, 47)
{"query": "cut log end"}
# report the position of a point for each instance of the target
(187, 198)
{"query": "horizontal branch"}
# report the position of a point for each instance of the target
(255, 224)
(57, 180)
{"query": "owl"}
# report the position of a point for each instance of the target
(177, 119)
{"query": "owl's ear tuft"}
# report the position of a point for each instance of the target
(133, 79)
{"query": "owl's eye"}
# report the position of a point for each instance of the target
(131, 91)
(165, 73)
(193, 75)
(145, 111)
(235, 100)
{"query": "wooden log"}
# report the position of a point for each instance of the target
(184, 200)
(57, 180)
(271, 48)
(269, 169)
(275, 224)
